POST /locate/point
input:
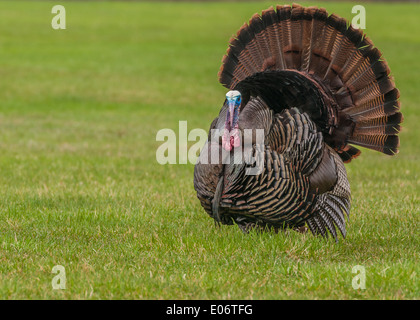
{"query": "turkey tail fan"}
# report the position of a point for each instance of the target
(362, 99)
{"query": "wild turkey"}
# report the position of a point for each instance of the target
(316, 86)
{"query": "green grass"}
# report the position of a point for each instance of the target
(80, 185)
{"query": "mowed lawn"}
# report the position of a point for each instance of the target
(80, 186)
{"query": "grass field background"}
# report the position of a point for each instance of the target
(80, 186)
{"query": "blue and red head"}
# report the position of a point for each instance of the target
(231, 136)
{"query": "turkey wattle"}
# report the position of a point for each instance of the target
(316, 86)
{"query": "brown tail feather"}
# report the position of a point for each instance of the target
(387, 144)
(388, 125)
(285, 26)
(349, 153)
(383, 105)
(341, 59)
